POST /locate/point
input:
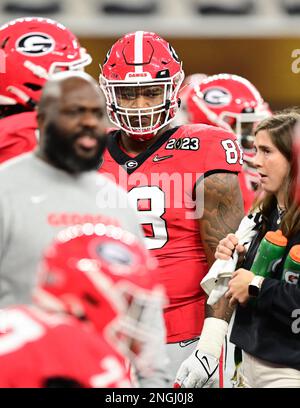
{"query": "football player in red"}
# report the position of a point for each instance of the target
(233, 103)
(31, 49)
(94, 286)
(182, 180)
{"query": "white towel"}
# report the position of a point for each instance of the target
(215, 283)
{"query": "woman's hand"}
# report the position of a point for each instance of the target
(226, 247)
(238, 287)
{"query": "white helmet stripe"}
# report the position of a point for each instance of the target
(138, 51)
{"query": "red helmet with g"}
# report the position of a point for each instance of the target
(141, 65)
(102, 274)
(32, 49)
(190, 81)
(228, 101)
(233, 103)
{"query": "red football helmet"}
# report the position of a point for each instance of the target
(187, 86)
(233, 103)
(136, 63)
(102, 274)
(33, 48)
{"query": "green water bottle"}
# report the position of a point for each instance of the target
(291, 268)
(270, 250)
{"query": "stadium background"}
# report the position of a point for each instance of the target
(257, 39)
(266, 62)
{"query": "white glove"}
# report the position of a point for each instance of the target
(201, 368)
(197, 371)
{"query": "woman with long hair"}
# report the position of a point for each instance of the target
(267, 328)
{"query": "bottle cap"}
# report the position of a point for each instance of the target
(276, 238)
(295, 253)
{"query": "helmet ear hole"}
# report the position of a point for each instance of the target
(91, 299)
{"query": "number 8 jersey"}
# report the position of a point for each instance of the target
(162, 184)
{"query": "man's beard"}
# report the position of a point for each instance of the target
(60, 150)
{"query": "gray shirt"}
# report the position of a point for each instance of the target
(36, 201)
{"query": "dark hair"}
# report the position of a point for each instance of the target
(280, 127)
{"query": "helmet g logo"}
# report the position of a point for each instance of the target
(35, 44)
(114, 254)
(217, 96)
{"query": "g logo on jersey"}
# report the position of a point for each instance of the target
(35, 44)
(217, 96)
(131, 164)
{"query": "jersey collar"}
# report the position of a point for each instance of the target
(129, 163)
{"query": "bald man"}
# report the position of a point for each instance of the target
(57, 185)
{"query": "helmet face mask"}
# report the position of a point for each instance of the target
(140, 121)
(34, 48)
(243, 122)
(137, 63)
(133, 333)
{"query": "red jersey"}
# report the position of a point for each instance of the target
(18, 135)
(161, 182)
(36, 347)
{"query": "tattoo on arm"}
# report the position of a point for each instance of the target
(223, 210)
(222, 214)
(220, 310)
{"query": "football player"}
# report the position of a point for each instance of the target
(233, 103)
(94, 285)
(167, 172)
(31, 49)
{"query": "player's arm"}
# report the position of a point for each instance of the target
(222, 213)
(223, 210)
